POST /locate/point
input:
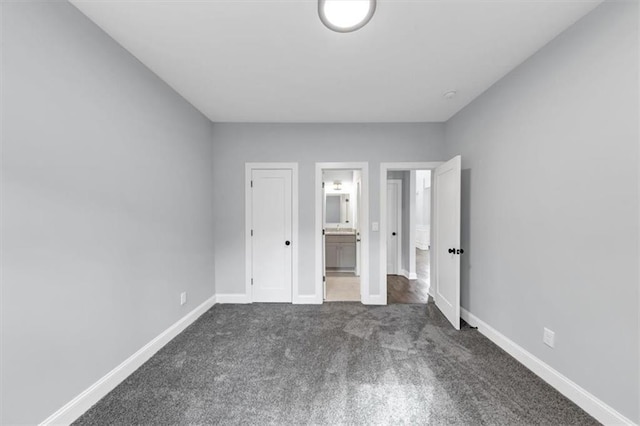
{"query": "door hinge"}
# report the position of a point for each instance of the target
(324, 278)
(251, 281)
(252, 184)
(252, 232)
(322, 185)
(323, 232)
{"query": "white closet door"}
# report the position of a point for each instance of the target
(271, 214)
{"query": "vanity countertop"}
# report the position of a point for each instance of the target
(340, 232)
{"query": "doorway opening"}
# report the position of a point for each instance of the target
(405, 239)
(444, 231)
(342, 192)
(342, 219)
(408, 235)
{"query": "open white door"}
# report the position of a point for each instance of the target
(446, 239)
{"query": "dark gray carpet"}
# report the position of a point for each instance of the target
(339, 363)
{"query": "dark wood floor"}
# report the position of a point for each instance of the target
(403, 290)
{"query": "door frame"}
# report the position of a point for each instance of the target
(398, 183)
(384, 168)
(358, 184)
(364, 227)
(295, 242)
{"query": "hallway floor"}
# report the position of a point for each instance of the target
(403, 290)
(337, 363)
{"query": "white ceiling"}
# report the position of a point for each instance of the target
(274, 61)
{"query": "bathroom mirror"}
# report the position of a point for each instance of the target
(337, 209)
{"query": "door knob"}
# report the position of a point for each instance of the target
(393, 233)
(460, 251)
(452, 251)
(287, 243)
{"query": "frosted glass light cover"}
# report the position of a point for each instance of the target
(346, 15)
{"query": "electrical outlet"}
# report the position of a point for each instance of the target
(183, 298)
(549, 338)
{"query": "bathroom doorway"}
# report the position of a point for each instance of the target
(343, 221)
(342, 189)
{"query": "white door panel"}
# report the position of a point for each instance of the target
(332, 259)
(358, 207)
(446, 230)
(272, 229)
(394, 194)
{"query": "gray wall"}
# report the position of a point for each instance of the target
(107, 207)
(550, 204)
(236, 144)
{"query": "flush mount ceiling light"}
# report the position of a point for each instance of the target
(345, 16)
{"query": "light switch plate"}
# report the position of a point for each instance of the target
(375, 226)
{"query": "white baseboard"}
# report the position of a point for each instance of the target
(81, 403)
(408, 275)
(241, 298)
(307, 300)
(233, 298)
(585, 400)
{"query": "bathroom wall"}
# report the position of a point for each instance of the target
(348, 209)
